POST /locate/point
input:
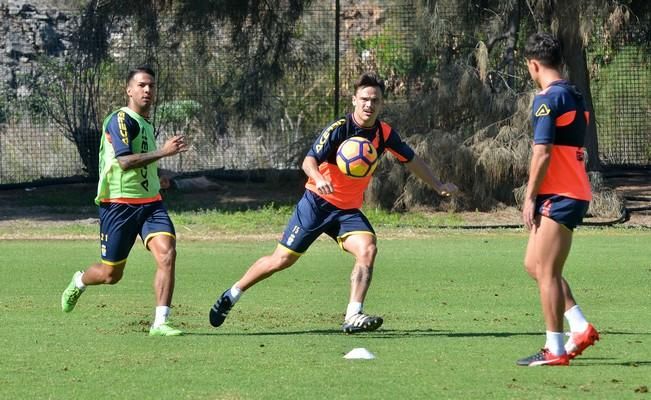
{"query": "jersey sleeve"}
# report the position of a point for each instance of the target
(327, 142)
(401, 150)
(544, 120)
(121, 130)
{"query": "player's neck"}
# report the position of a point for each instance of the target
(548, 78)
(368, 124)
(144, 112)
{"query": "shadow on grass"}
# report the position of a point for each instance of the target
(607, 361)
(217, 332)
(393, 333)
(405, 333)
(380, 334)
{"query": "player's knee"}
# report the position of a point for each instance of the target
(167, 257)
(282, 260)
(113, 276)
(366, 255)
(530, 268)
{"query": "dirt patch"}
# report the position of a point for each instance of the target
(635, 188)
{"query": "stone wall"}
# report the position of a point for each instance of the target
(28, 31)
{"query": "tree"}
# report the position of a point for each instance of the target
(260, 33)
(566, 20)
(69, 90)
(260, 36)
(474, 89)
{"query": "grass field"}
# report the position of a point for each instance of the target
(458, 308)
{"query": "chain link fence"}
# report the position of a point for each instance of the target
(315, 89)
(621, 90)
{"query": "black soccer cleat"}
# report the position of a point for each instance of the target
(220, 310)
(361, 323)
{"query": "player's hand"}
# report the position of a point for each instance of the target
(447, 189)
(324, 186)
(528, 215)
(174, 145)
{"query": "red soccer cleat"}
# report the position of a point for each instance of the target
(582, 341)
(544, 357)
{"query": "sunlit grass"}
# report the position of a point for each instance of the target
(458, 308)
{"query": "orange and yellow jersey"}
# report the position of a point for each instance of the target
(349, 192)
(560, 119)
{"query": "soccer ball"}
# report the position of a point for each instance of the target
(356, 157)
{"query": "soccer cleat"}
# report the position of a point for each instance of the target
(361, 323)
(220, 310)
(71, 294)
(544, 357)
(581, 340)
(164, 330)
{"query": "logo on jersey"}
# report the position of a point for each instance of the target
(542, 110)
(124, 133)
(326, 134)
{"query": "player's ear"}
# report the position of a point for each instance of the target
(354, 100)
(536, 65)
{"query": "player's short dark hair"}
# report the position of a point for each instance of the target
(544, 48)
(369, 79)
(141, 68)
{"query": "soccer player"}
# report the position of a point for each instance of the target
(557, 198)
(331, 205)
(129, 201)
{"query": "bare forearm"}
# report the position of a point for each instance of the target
(132, 161)
(174, 145)
(311, 168)
(418, 167)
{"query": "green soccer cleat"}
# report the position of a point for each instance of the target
(164, 330)
(71, 294)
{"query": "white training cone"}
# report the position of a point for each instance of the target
(359, 353)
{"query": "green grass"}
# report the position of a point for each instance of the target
(272, 218)
(201, 223)
(459, 311)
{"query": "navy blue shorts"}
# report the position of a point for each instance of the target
(120, 224)
(564, 210)
(314, 216)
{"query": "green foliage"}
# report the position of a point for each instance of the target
(35, 106)
(390, 55)
(466, 312)
(178, 112)
(261, 35)
(622, 102)
(67, 91)
(4, 109)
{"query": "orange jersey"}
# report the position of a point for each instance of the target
(560, 119)
(349, 192)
